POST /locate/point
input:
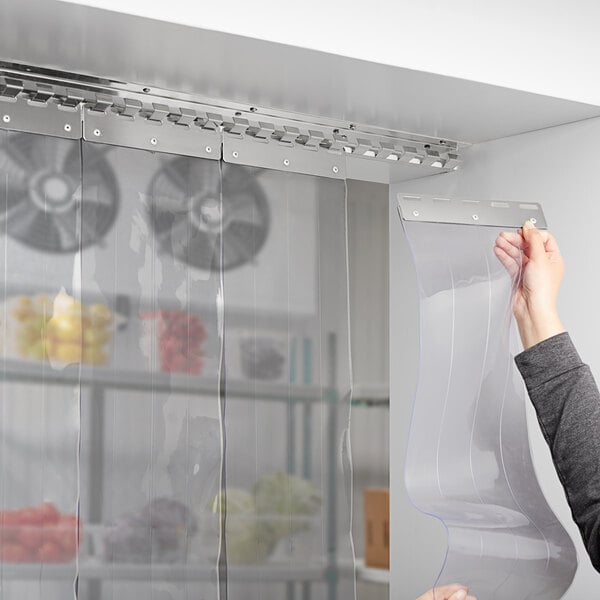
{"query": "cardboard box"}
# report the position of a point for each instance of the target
(377, 527)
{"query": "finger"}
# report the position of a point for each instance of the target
(508, 262)
(551, 244)
(509, 248)
(470, 598)
(514, 238)
(448, 592)
(536, 249)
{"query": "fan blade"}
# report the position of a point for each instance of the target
(205, 177)
(95, 190)
(11, 193)
(17, 209)
(243, 240)
(177, 235)
(65, 157)
(202, 250)
(170, 204)
(41, 151)
(46, 232)
(67, 227)
(247, 212)
(174, 174)
(20, 220)
(92, 155)
(14, 166)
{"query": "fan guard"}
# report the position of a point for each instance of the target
(41, 204)
(190, 219)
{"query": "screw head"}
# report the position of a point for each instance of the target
(286, 162)
(67, 127)
(154, 141)
(6, 118)
(533, 220)
(208, 149)
(475, 217)
(235, 154)
(97, 132)
(335, 169)
(415, 213)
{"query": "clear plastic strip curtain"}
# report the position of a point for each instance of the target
(175, 378)
(468, 460)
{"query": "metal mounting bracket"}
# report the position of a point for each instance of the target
(433, 209)
(283, 156)
(158, 135)
(46, 117)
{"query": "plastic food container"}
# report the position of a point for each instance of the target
(173, 340)
(38, 535)
(59, 329)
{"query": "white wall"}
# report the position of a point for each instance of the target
(544, 46)
(557, 167)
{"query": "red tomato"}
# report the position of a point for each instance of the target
(13, 553)
(49, 512)
(66, 534)
(50, 552)
(30, 536)
(8, 525)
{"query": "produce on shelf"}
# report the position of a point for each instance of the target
(159, 532)
(288, 496)
(38, 534)
(234, 502)
(180, 339)
(62, 329)
(256, 522)
(262, 358)
(250, 539)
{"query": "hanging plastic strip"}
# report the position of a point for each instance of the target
(468, 461)
(285, 498)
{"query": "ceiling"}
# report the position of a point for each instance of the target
(132, 49)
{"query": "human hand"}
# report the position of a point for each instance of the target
(542, 271)
(447, 592)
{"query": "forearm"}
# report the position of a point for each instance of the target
(567, 402)
(538, 325)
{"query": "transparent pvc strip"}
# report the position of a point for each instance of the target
(286, 496)
(39, 200)
(468, 461)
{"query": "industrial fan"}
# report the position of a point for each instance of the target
(42, 203)
(207, 214)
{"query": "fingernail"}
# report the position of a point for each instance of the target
(460, 595)
(528, 224)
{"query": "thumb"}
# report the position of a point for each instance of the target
(533, 237)
(459, 595)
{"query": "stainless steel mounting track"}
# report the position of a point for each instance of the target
(113, 112)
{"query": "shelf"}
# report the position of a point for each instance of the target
(371, 574)
(371, 395)
(147, 381)
(96, 569)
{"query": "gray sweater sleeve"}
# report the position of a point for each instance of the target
(567, 401)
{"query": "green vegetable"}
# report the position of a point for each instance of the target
(287, 496)
(250, 540)
(234, 502)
